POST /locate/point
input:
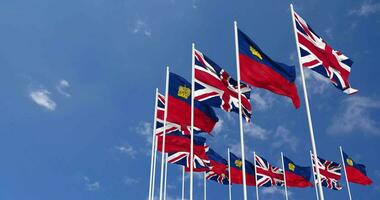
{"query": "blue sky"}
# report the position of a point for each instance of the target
(78, 80)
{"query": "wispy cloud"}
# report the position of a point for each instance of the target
(127, 149)
(41, 97)
(255, 131)
(283, 137)
(130, 180)
(366, 8)
(262, 100)
(91, 186)
(274, 191)
(145, 129)
(141, 27)
(355, 114)
(218, 127)
(316, 82)
(63, 84)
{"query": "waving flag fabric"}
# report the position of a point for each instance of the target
(179, 107)
(176, 142)
(317, 55)
(330, 173)
(296, 176)
(218, 168)
(201, 161)
(215, 87)
(237, 171)
(356, 173)
(268, 175)
(259, 70)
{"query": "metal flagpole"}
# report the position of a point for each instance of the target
(315, 182)
(229, 176)
(240, 111)
(257, 187)
(154, 167)
(345, 173)
(192, 122)
(183, 182)
(166, 175)
(204, 187)
(314, 147)
(164, 133)
(152, 161)
(283, 169)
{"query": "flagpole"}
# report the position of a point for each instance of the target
(315, 183)
(345, 173)
(154, 168)
(152, 161)
(183, 182)
(164, 133)
(283, 168)
(166, 174)
(204, 186)
(240, 111)
(229, 175)
(257, 186)
(314, 148)
(192, 122)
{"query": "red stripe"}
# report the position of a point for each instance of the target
(294, 180)
(355, 176)
(237, 177)
(311, 63)
(262, 76)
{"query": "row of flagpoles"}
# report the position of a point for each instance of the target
(335, 65)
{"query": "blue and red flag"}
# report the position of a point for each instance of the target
(267, 174)
(179, 107)
(296, 176)
(215, 87)
(218, 168)
(237, 171)
(318, 56)
(259, 70)
(177, 142)
(329, 172)
(356, 173)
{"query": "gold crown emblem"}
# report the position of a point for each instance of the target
(184, 92)
(255, 52)
(291, 166)
(238, 163)
(350, 162)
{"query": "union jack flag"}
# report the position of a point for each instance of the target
(268, 175)
(215, 87)
(201, 161)
(218, 169)
(329, 172)
(317, 55)
(221, 178)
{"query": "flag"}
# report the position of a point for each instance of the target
(237, 171)
(296, 176)
(218, 168)
(317, 55)
(215, 87)
(201, 161)
(329, 172)
(179, 107)
(176, 142)
(259, 70)
(268, 175)
(356, 173)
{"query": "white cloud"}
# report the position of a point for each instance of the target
(367, 8)
(91, 186)
(61, 86)
(315, 82)
(328, 33)
(141, 27)
(218, 127)
(145, 129)
(130, 181)
(283, 137)
(41, 97)
(255, 131)
(355, 114)
(262, 100)
(274, 191)
(127, 149)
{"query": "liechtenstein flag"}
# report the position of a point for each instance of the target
(296, 176)
(356, 173)
(259, 70)
(179, 107)
(237, 171)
